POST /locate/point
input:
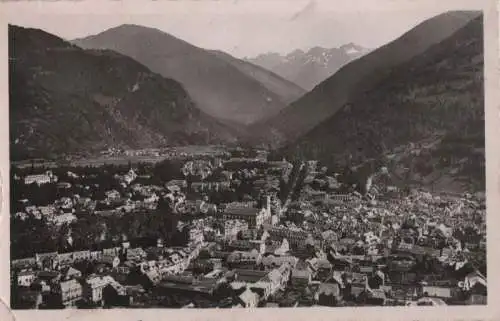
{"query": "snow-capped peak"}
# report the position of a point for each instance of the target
(351, 51)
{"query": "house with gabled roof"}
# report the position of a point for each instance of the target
(70, 272)
(70, 292)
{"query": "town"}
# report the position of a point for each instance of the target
(238, 229)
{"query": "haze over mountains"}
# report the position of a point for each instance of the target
(308, 69)
(64, 99)
(357, 77)
(424, 118)
(220, 85)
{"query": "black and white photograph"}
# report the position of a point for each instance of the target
(247, 154)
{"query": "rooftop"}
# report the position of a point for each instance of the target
(242, 211)
(249, 275)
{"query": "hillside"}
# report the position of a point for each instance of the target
(357, 77)
(219, 88)
(64, 100)
(287, 90)
(424, 119)
(308, 69)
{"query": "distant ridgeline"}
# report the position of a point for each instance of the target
(423, 118)
(64, 100)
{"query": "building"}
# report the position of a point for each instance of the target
(200, 187)
(172, 266)
(40, 179)
(92, 289)
(129, 177)
(274, 281)
(248, 299)
(244, 257)
(47, 211)
(196, 207)
(336, 199)
(151, 199)
(301, 276)
(114, 251)
(275, 208)
(233, 227)
(275, 261)
(255, 217)
(65, 218)
(477, 299)
(70, 291)
(282, 165)
(196, 236)
(436, 291)
(25, 263)
(70, 273)
(136, 254)
(295, 237)
(475, 282)
(328, 294)
(64, 203)
(317, 196)
(112, 195)
(21, 215)
(26, 278)
(49, 277)
(46, 260)
(115, 294)
(425, 301)
(153, 276)
(64, 185)
(320, 268)
(110, 260)
(81, 255)
(176, 182)
(247, 276)
(95, 255)
(65, 259)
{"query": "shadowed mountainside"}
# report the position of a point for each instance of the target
(358, 77)
(64, 99)
(424, 119)
(238, 92)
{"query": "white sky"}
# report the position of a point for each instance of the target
(240, 27)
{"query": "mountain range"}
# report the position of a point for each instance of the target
(309, 68)
(414, 105)
(64, 99)
(424, 119)
(357, 77)
(221, 85)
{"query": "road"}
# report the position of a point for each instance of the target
(284, 208)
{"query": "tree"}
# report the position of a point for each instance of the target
(180, 238)
(14, 295)
(162, 223)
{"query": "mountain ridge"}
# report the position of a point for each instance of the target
(356, 77)
(64, 99)
(307, 68)
(219, 88)
(424, 118)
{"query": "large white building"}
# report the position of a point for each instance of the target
(40, 179)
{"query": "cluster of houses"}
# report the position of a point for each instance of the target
(58, 282)
(322, 248)
(59, 213)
